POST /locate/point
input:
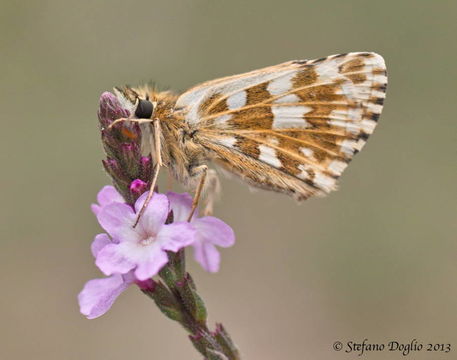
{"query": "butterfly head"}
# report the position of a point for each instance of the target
(136, 101)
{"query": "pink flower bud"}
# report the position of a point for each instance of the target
(137, 187)
(146, 285)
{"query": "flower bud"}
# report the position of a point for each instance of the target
(146, 285)
(137, 187)
(224, 340)
(110, 109)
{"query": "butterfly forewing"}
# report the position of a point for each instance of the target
(292, 127)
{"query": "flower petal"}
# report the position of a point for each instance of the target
(155, 214)
(118, 219)
(215, 231)
(95, 209)
(100, 241)
(98, 295)
(149, 267)
(175, 236)
(114, 259)
(181, 205)
(207, 256)
(107, 195)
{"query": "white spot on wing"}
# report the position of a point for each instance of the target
(359, 144)
(237, 100)
(307, 152)
(375, 108)
(281, 85)
(378, 94)
(290, 117)
(354, 91)
(378, 78)
(346, 88)
(349, 113)
(325, 182)
(220, 120)
(268, 155)
(348, 125)
(348, 147)
(328, 70)
(368, 126)
(227, 141)
(355, 113)
(336, 167)
(304, 174)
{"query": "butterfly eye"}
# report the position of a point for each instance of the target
(144, 109)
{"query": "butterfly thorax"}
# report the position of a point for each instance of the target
(179, 151)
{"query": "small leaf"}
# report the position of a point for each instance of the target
(166, 302)
(192, 301)
(224, 340)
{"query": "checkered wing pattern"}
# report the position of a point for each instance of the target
(293, 127)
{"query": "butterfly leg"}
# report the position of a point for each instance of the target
(139, 121)
(156, 147)
(203, 170)
(211, 191)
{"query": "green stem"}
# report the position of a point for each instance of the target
(178, 299)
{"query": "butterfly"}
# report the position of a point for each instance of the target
(291, 128)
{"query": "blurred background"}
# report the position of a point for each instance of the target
(375, 260)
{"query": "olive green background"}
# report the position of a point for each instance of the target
(375, 260)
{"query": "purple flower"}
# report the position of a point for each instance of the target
(98, 295)
(210, 231)
(107, 195)
(141, 248)
(133, 255)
